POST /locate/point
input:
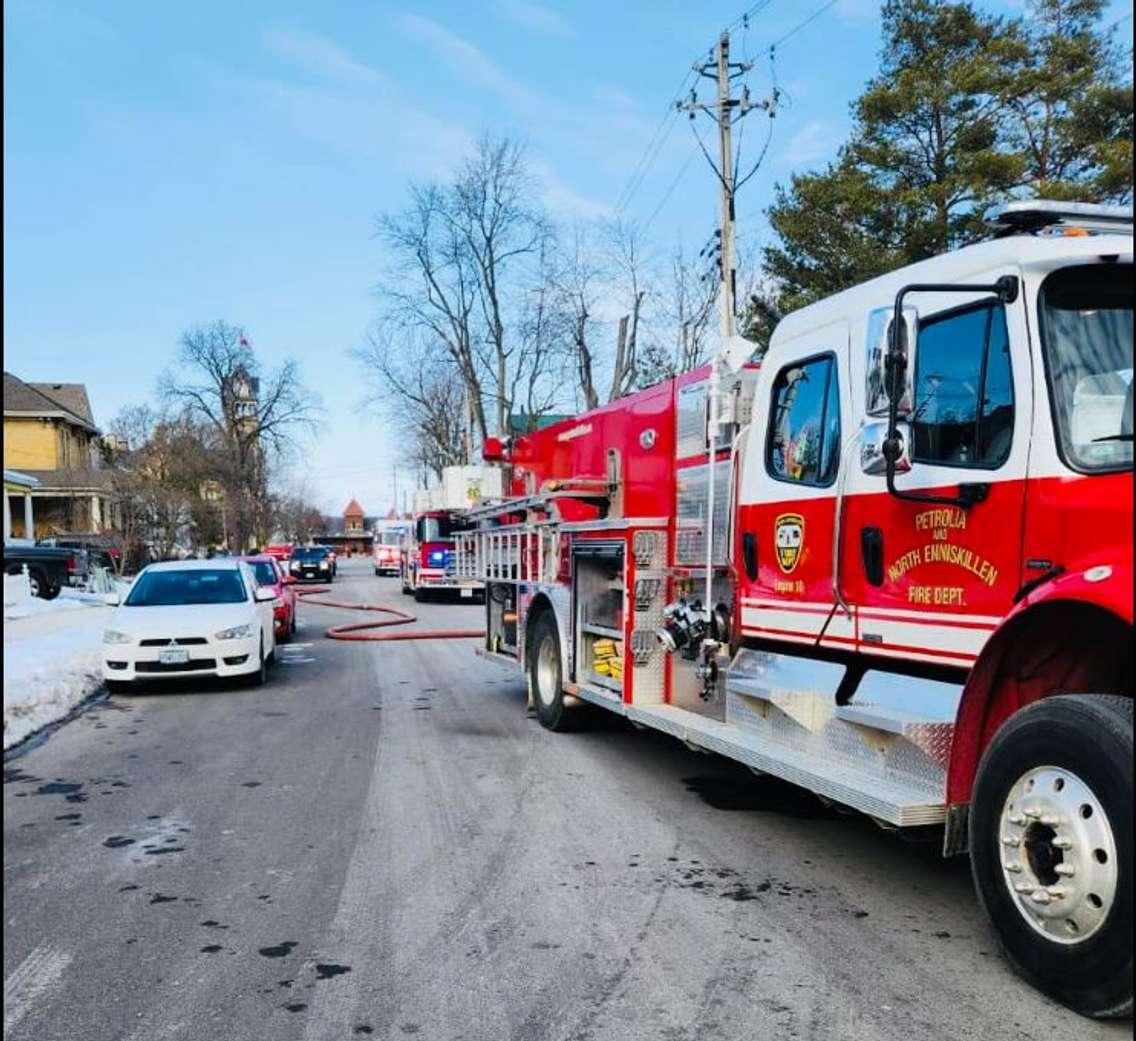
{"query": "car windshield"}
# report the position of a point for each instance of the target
(196, 586)
(264, 571)
(309, 553)
(388, 538)
(1085, 316)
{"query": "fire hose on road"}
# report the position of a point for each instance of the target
(363, 630)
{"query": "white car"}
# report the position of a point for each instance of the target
(190, 618)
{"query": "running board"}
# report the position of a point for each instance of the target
(870, 791)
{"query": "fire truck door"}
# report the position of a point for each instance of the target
(787, 491)
(927, 581)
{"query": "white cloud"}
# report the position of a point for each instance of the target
(815, 141)
(537, 17)
(471, 62)
(317, 54)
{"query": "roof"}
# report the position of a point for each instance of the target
(72, 480)
(995, 255)
(353, 509)
(20, 478)
(213, 564)
(523, 423)
(72, 396)
(66, 401)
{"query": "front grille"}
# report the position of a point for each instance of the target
(182, 641)
(193, 665)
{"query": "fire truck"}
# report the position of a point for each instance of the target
(427, 561)
(892, 564)
(388, 536)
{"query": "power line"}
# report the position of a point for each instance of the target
(667, 194)
(801, 25)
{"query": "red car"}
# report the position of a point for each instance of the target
(270, 574)
(281, 551)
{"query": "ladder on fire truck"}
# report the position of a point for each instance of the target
(516, 540)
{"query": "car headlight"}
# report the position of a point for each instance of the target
(238, 632)
(295, 565)
(323, 564)
(114, 636)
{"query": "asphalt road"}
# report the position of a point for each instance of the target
(380, 844)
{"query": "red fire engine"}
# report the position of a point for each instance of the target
(868, 567)
(426, 557)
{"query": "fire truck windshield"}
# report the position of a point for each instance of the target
(435, 529)
(1085, 314)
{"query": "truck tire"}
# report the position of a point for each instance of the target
(546, 682)
(41, 586)
(1051, 848)
(260, 677)
(420, 595)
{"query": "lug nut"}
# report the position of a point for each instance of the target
(1050, 820)
(1057, 892)
(1014, 867)
(1041, 896)
(1017, 818)
(1062, 842)
(1032, 811)
(1011, 840)
(1065, 869)
(1023, 887)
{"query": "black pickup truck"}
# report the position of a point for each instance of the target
(49, 568)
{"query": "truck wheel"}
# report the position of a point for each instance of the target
(545, 679)
(1051, 848)
(420, 595)
(40, 585)
(260, 677)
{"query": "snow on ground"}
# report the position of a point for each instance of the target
(51, 663)
(68, 600)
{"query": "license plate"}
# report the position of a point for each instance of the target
(173, 656)
(467, 592)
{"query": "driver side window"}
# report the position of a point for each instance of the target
(964, 399)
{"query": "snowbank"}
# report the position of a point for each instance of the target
(68, 600)
(47, 674)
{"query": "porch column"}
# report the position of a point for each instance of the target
(96, 514)
(7, 516)
(29, 520)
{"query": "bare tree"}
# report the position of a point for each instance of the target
(414, 382)
(578, 286)
(492, 204)
(629, 267)
(219, 382)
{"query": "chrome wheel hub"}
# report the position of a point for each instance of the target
(1058, 854)
(546, 662)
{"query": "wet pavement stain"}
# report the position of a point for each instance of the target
(70, 790)
(250, 784)
(69, 817)
(117, 842)
(168, 849)
(126, 889)
(280, 950)
(211, 948)
(327, 971)
(161, 898)
(363, 1028)
(212, 923)
(295, 1006)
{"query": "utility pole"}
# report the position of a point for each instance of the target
(725, 110)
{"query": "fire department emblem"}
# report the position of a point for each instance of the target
(789, 537)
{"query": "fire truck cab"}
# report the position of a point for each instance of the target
(892, 565)
(426, 563)
(388, 536)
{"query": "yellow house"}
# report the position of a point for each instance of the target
(50, 435)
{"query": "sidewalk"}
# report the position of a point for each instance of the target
(51, 663)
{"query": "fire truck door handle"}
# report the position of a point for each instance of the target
(749, 554)
(872, 554)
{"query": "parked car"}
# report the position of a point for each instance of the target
(50, 568)
(190, 618)
(311, 564)
(281, 551)
(270, 575)
(333, 557)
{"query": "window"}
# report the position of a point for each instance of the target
(964, 399)
(265, 572)
(804, 435)
(1086, 331)
(199, 586)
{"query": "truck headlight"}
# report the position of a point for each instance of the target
(237, 632)
(114, 636)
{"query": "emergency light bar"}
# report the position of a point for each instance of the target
(1046, 216)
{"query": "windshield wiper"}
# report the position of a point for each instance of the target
(1112, 437)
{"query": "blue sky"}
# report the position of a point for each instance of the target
(170, 164)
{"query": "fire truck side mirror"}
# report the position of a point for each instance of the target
(889, 373)
(874, 448)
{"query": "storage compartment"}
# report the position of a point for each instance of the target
(501, 599)
(600, 614)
